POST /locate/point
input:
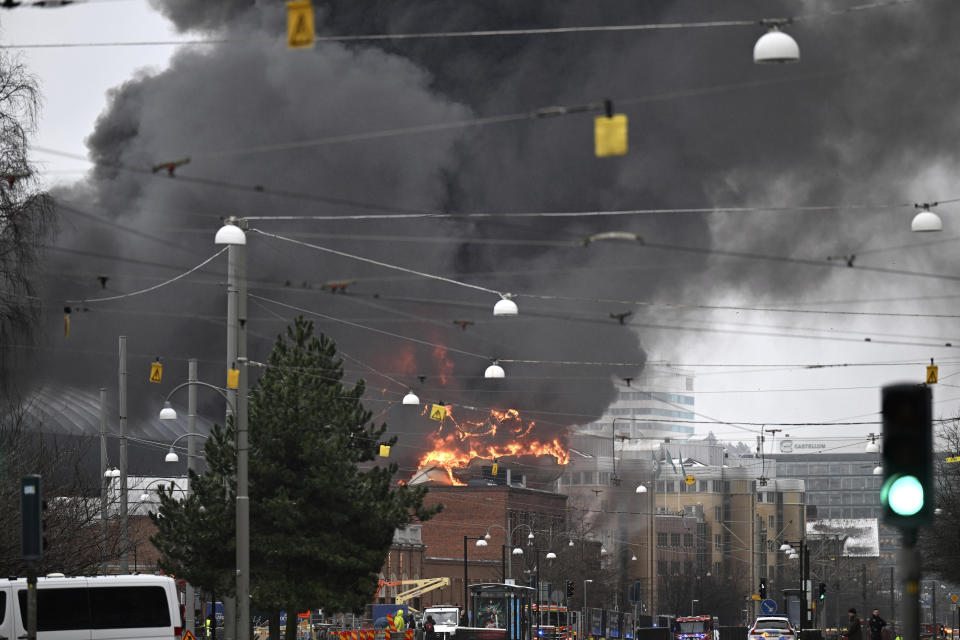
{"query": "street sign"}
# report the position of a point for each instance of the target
(438, 412)
(188, 635)
(755, 596)
(156, 372)
(768, 607)
(300, 29)
(690, 480)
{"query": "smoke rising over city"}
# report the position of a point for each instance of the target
(867, 117)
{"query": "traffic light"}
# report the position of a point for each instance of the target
(569, 588)
(31, 518)
(907, 493)
(763, 588)
(823, 590)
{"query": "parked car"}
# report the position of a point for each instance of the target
(772, 628)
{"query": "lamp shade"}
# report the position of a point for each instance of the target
(517, 551)
(411, 398)
(641, 488)
(785, 547)
(873, 447)
(878, 470)
(168, 412)
(551, 555)
(775, 47)
(494, 371)
(171, 456)
(144, 497)
(481, 542)
(926, 220)
(230, 234)
(505, 307)
(634, 557)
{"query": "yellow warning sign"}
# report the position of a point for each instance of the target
(953, 459)
(438, 412)
(188, 635)
(233, 378)
(689, 479)
(610, 135)
(384, 451)
(932, 374)
(300, 30)
(494, 470)
(756, 596)
(156, 372)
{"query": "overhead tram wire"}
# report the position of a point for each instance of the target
(487, 33)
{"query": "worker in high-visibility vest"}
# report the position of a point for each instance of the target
(207, 626)
(398, 620)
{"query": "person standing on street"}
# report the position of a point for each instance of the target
(429, 629)
(854, 630)
(876, 625)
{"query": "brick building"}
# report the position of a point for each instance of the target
(437, 549)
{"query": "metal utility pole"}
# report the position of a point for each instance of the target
(893, 601)
(188, 595)
(103, 480)
(124, 522)
(909, 563)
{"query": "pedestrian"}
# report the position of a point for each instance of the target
(429, 629)
(876, 625)
(854, 630)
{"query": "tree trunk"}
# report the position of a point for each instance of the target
(292, 620)
(275, 624)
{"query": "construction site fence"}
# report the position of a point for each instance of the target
(307, 631)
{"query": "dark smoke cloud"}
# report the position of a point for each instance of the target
(868, 117)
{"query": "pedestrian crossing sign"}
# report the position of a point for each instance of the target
(156, 372)
(300, 29)
(438, 412)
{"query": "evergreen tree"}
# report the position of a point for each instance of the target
(322, 515)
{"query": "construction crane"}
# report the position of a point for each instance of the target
(415, 588)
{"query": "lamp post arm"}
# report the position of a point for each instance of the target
(202, 384)
(187, 435)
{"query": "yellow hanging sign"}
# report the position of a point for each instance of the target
(384, 451)
(932, 371)
(233, 378)
(438, 412)
(953, 459)
(300, 29)
(689, 480)
(156, 372)
(495, 467)
(610, 135)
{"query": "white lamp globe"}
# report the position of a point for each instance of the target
(494, 371)
(926, 221)
(775, 47)
(230, 234)
(411, 398)
(505, 307)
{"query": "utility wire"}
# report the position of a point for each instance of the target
(154, 287)
(487, 33)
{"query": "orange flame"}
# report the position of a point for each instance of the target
(500, 434)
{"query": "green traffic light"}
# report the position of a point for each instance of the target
(903, 493)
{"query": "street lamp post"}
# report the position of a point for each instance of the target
(481, 542)
(583, 618)
(804, 557)
(515, 551)
(550, 555)
(233, 236)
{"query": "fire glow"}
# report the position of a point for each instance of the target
(500, 434)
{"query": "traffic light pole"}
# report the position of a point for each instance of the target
(909, 562)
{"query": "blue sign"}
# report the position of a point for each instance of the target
(768, 607)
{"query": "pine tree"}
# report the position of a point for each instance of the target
(322, 514)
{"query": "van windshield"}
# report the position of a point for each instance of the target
(446, 618)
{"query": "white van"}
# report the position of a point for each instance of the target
(93, 608)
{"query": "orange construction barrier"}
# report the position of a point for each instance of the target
(408, 634)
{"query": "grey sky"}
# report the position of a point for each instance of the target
(866, 119)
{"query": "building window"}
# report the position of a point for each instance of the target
(675, 567)
(718, 513)
(688, 539)
(718, 541)
(661, 539)
(772, 521)
(661, 567)
(674, 539)
(763, 571)
(717, 568)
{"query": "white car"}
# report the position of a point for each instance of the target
(772, 628)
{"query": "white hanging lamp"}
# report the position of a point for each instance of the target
(775, 46)
(494, 371)
(411, 398)
(168, 412)
(926, 220)
(505, 307)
